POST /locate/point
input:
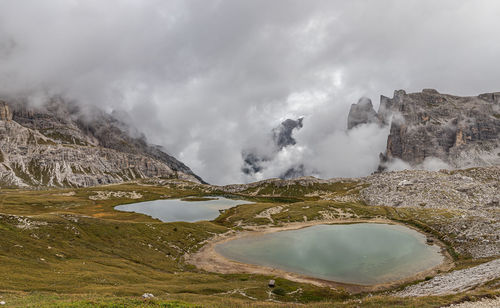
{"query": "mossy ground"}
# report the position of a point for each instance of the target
(59, 248)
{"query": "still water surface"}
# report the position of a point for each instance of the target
(364, 253)
(170, 210)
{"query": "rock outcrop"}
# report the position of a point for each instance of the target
(282, 134)
(282, 137)
(59, 145)
(362, 113)
(459, 131)
(5, 114)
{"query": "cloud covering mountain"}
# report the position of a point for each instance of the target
(208, 79)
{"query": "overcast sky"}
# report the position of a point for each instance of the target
(207, 79)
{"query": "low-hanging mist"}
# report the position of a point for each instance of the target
(207, 92)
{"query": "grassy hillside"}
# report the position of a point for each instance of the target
(69, 248)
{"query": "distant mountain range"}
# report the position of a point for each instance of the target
(58, 144)
(457, 132)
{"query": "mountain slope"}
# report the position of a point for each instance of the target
(59, 145)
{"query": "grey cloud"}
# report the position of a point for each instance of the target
(207, 79)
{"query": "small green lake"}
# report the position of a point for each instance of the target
(363, 253)
(170, 210)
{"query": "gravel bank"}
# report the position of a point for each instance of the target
(485, 303)
(456, 281)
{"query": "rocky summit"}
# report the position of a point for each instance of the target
(362, 113)
(459, 131)
(59, 145)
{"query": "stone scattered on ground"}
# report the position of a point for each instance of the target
(484, 303)
(467, 189)
(472, 194)
(456, 281)
(270, 211)
(105, 195)
(147, 295)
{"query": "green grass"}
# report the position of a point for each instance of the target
(37, 299)
(304, 192)
(79, 252)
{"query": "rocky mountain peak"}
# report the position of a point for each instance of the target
(362, 113)
(459, 131)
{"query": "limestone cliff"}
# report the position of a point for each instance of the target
(59, 145)
(460, 131)
(362, 113)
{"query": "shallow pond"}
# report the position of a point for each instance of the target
(364, 253)
(170, 210)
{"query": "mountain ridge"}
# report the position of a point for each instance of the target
(55, 145)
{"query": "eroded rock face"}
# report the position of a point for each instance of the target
(460, 131)
(55, 145)
(5, 114)
(362, 113)
(456, 281)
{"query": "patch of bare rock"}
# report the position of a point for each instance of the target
(472, 194)
(485, 303)
(462, 189)
(456, 281)
(105, 195)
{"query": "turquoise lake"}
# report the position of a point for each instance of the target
(364, 253)
(170, 210)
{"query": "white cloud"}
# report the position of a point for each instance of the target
(207, 79)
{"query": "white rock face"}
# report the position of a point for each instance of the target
(461, 132)
(64, 155)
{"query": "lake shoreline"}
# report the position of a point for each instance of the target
(187, 209)
(208, 259)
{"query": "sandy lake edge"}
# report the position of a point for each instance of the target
(209, 260)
